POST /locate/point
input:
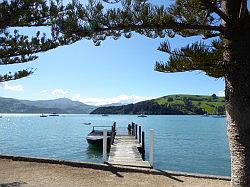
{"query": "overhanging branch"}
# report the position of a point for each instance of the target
(217, 10)
(172, 25)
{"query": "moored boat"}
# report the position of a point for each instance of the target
(96, 136)
(87, 123)
(205, 115)
(142, 115)
(219, 116)
(43, 116)
(54, 114)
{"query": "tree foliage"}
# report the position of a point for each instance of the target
(184, 17)
(19, 48)
(93, 20)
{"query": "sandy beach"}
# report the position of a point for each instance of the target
(25, 173)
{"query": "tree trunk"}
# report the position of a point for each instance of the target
(237, 79)
(238, 123)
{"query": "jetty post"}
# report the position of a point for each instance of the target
(139, 134)
(104, 148)
(133, 129)
(136, 131)
(143, 145)
(113, 133)
(151, 151)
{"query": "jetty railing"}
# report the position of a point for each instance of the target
(140, 135)
(132, 130)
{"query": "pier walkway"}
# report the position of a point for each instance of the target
(126, 150)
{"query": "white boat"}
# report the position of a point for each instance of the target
(43, 116)
(205, 115)
(96, 136)
(142, 115)
(54, 114)
(219, 116)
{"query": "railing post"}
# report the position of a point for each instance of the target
(112, 135)
(135, 131)
(129, 129)
(114, 125)
(151, 152)
(139, 134)
(143, 145)
(104, 148)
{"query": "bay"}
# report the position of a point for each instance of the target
(186, 143)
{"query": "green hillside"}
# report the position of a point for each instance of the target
(209, 104)
(170, 105)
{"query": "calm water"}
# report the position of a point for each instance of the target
(182, 143)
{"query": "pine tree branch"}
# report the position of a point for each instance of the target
(198, 56)
(23, 54)
(212, 35)
(31, 25)
(212, 6)
(171, 25)
(18, 75)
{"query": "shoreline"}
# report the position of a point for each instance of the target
(26, 169)
(104, 166)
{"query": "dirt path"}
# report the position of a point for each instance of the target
(20, 173)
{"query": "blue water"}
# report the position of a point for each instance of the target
(182, 143)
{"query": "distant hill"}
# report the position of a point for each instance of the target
(62, 105)
(170, 105)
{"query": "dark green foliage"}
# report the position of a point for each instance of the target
(92, 20)
(170, 99)
(185, 18)
(219, 110)
(19, 48)
(214, 96)
(198, 56)
(187, 102)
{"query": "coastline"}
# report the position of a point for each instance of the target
(29, 171)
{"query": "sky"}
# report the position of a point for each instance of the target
(118, 71)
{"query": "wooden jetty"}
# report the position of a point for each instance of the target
(128, 150)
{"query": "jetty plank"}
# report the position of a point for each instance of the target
(124, 151)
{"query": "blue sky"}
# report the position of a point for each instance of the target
(117, 71)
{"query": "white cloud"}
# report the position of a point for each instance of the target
(60, 92)
(16, 88)
(221, 93)
(44, 91)
(124, 99)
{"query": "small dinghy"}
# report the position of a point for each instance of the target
(142, 115)
(43, 116)
(96, 136)
(54, 114)
(87, 123)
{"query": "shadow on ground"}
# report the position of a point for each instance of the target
(12, 184)
(116, 170)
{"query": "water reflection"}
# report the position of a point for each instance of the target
(94, 151)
